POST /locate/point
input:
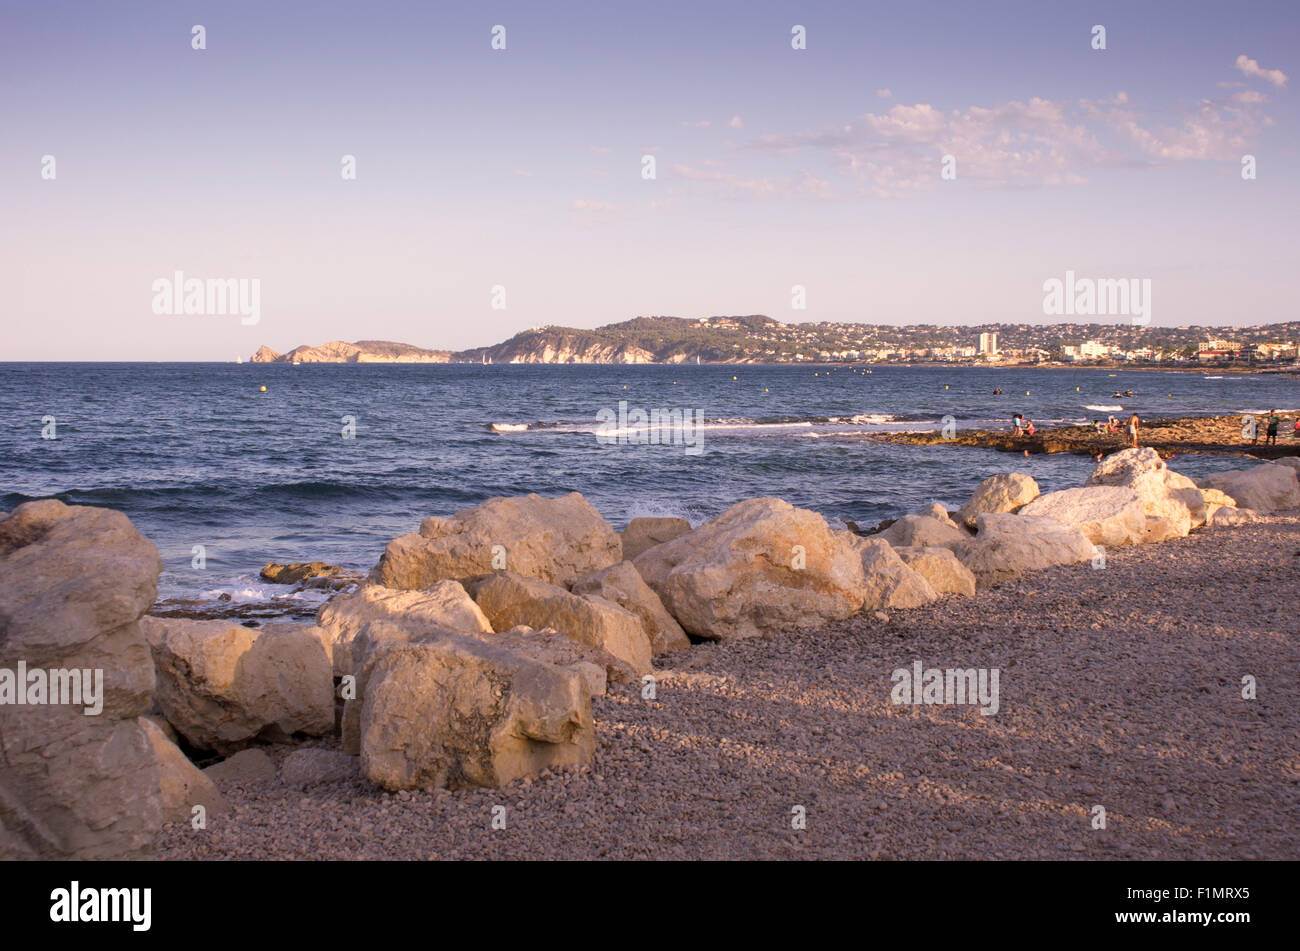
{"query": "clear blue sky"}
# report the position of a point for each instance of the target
(522, 167)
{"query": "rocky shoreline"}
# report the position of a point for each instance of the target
(522, 661)
(1216, 435)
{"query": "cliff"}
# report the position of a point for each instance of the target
(363, 351)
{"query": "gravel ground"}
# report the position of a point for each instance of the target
(1119, 687)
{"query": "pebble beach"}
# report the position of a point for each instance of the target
(1121, 688)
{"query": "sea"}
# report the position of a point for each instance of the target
(327, 462)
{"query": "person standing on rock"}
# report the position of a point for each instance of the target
(1273, 422)
(1133, 423)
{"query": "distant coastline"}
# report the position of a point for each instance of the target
(757, 339)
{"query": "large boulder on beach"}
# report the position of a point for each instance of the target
(78, 777)
(222, 685)
(644, 533)
(183, 785)
(597, 667)
(508, 599)
(459, 711)
(623, 585)
(761, 567)
(1107, 515)
(1006, 546)
(443, 605)
(1263, 489)
(1002, 493)
(940, 568)
(1163, 493)
(887, 581)
(554, 540)
(924, 531)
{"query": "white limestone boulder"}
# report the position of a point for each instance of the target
(554, 540)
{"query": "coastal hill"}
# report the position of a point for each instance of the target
(760, 339)
(363, 351)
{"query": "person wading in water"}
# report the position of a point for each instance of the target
(1133, 430)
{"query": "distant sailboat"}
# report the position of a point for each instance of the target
(239, 359)
(697, 359)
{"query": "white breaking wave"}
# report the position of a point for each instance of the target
(866, 419)
(254, 593)
(1101, 408)
(509, 427)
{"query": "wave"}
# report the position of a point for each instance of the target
(737, 422)
(1102, 407)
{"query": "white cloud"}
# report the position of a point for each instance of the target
(1251, 67)
(735, 123)
(702, 124)
(736, 183)
(885, 93)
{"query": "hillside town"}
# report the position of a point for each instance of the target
(760, 339)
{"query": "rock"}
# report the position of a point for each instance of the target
(593, 675)
(924, 531)
(459, 711)
(310, 766)
(644, 533)
(1002, 493)
(444, 605)
(161, 723)
(297, 572)
(552, 647)
(545, 646)
(760, 567)
(245, 768)
(1215, 499)
(935, 510)
(1163, 493)
(623, 585)
(1107, 515)
(222, 685)
(554, 540)
(1264, 488)
(1227, 516)
(1159, 529)
(1005, 546)
(509, 599)
(74, 582)
(940, 567)
(887, 580)
(183, 785)
(1292, 462)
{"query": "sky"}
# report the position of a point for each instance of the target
(501, 189)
